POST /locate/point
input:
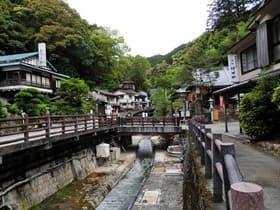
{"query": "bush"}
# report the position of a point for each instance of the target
(276, 96)
(259, 116)
(3, 110)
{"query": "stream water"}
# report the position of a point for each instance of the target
(125, 192)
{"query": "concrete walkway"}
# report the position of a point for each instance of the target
(256, 166)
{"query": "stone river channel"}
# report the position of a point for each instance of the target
(124, 194)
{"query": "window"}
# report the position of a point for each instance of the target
(33, 79)
(276, 39)
(28, 77)
(38, 80)
(249, 59)
(57, 83)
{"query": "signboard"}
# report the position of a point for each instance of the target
(221, 100)
(42, 54)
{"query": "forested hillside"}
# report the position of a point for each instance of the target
(226, 24)
(93, 53)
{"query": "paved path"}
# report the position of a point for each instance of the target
(163, 189)
(258, 167)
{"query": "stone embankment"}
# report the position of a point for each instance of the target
(89, 192)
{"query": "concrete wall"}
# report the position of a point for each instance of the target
(48, 179)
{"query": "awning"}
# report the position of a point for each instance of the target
(244, 86)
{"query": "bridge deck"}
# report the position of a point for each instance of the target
(22, 133)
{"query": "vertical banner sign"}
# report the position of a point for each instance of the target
(42, 54)
(222, 104)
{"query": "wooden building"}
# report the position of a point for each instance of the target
(28, 70)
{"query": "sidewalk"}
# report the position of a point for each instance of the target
(258, 167)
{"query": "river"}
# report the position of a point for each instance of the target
(126, 191)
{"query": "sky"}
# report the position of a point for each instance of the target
(149, 27)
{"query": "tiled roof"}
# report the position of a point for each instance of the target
(16, 57)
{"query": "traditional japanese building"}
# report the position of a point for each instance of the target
(28, 70)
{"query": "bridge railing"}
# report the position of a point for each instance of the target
(149, 121)
(28, 128)
(221, 165)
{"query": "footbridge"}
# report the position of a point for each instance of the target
(23, 133)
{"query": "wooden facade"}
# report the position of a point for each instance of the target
(21, 71)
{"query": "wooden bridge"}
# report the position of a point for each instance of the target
(24, 132)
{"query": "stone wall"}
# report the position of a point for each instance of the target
(46, 180)
(195, 193)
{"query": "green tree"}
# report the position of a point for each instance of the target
(276, 96)
(138, 72)
(32, 102)
(162, 103)
(227, 13)
(74, 97)
(3, 111)
(259, 117)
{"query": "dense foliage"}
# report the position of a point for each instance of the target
(259, 117)
(76, 48)
(32, 102)
(3, 111)
(276, 96)
(209, 50)
(74, 97)
(229, 13)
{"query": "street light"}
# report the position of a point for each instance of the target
(211, 108)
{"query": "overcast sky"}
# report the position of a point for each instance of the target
(149, 27)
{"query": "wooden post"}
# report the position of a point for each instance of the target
(76, 123)
(86, 122)
(246, 196)
(208, 160)
(25, 127)
(63, 125)
(202, 149)
(48, 128)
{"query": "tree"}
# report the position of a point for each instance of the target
(259, 117)
(227, 13)
(3, 111)
(138, 72)
(276, 96)
(161, 102)
(32, 102)
(74, 97)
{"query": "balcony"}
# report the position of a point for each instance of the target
(8, 83)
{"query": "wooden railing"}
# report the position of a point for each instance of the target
(220, 164)
(23, 129)
(149, 121)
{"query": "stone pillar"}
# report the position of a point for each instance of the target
(246, 196)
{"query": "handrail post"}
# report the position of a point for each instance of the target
(202, 149)
(76, 123)
(25, 127)
(63, 124)
(86, 122)
(226, 148)
(208, 160)
(48, 128)
(217, 181)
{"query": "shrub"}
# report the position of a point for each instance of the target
(3, 110)
(276, 96)
(259, 117)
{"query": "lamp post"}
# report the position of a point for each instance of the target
(211, 108)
